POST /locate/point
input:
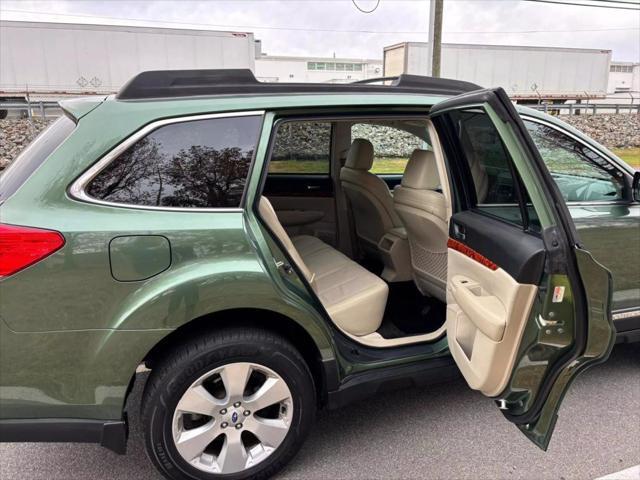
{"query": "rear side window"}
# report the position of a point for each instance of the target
(34, 155)
(194, 164)
(392, 146)
(301, 148)
(492, 171)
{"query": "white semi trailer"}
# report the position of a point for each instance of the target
(42, 60)
(526, 73)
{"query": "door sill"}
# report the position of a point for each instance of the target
(364, 385)
(378, 341)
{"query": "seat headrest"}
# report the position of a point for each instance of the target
(421, 172)
(360, 156)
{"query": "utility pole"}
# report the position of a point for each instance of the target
(435, 37)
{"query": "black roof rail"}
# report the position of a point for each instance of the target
(376, 80)
(189, 83)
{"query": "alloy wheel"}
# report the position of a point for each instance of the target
(232, 418)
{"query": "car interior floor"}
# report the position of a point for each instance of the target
(409, 312)
(372, 264)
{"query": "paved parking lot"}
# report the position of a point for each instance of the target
(446, 431)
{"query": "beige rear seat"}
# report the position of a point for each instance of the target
(354, 298)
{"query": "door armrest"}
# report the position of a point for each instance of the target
(486, 311)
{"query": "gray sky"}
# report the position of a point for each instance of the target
(465, 21)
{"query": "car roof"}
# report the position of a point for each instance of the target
(169, 84)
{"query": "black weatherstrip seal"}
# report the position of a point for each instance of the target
(561, 252)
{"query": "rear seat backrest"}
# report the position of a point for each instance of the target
(369, 197)
(268, 214)
(423, 210)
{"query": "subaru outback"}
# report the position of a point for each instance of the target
(263, 252)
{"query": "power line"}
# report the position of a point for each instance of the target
(173, 22)
(366, 11)
(554, 31)
(628, 2)
(325, 30)
(558, 2)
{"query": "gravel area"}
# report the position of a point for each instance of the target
(613, 131)
(15, 134)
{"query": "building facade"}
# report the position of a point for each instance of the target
(272, 68)
(624, 77)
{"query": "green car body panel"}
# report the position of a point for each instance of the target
(605, 226)
(98, 306)
(95, 329)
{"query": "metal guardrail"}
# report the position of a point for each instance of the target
(593, 108)
(554, 108)
(30, 107)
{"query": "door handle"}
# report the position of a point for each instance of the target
(313, 187)
(459, 232)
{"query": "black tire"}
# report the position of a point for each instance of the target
(3, 114)
(170, 379)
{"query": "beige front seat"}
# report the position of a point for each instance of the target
(369, 197)
(424, 213)
(354, 298)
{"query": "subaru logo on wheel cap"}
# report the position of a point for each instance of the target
(234, 417)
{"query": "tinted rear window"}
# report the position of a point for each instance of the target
(33, 156)
(194, 164)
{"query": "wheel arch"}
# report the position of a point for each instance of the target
(321, 364)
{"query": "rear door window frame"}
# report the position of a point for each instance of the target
(465, 197)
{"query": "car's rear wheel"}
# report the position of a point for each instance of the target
(236, 404)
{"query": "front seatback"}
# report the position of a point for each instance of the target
(369, 197)
(268, 214)
(424, 214)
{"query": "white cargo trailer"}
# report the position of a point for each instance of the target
(51, 60)
(526, 73)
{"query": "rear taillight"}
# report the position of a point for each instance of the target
(24, 246)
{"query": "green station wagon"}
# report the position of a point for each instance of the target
(233, 239)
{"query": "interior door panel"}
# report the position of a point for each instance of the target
(520, 254)
(487, 310)
(299, 218)
(298, 185)
(493, 272)
(305, 204)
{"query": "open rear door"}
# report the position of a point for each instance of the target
(527, 308)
